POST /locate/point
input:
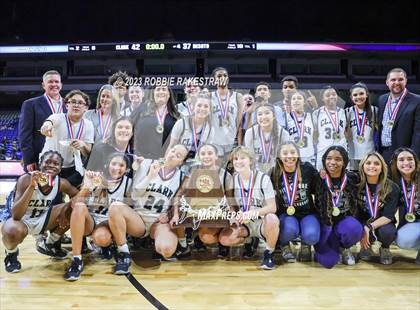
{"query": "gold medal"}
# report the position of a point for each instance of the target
(301, 143)
(410, 217)
(266, 167)
(337, 137)
(161, 161)
(159, 128)
(370, 221)
(43, 180)
(390, 123)
(96, 181)
(291, 210)
(225, 123)
(336, 211)
(360, 139)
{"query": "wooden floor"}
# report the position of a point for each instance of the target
(211, 284)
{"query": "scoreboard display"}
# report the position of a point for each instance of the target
(146, 47)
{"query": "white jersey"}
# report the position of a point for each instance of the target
(359, 148)
(225, 129)
(99, 202)
(159, 192)
(183, 133)
(307, 148)
(262, 190)
(60, 141)
(253, 141)
(39, 203)
(327, 135)
(184, 109)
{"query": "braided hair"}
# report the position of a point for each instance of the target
(51, 152)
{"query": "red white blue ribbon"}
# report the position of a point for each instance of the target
(223, 107)
(360, 123)
(246, 196)
(103, 126)
(336, 195)
(372, 202)
(70, 129)
(266, 146)
(300, 127)
(291, 190)
(409, 200)
(392, 114)
(333, 122)
(51, 104)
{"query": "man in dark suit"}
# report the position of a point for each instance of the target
(33, 113)
(399, 116)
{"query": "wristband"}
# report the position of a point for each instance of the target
(370, 226)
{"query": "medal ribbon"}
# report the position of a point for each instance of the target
(103, 128)
(50, 180)
(373, 204)
(223, 108)
(392, 114)
(161, 117)
(333, 122)
(335, 197)
(247, 198)
(360, 123)
(196, 136)
(290, 190)
(70, 129)
(301, 127)
(266, 147)
(51, 104)
(166, 176)
(409, 201)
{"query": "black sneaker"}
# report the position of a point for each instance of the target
(183, 252)
(108, 252)
(287, 254)
(305, 254)
(11, 262)
(74, 271)
(199, 246)
(223, 251)
(267, 261)
(250, 247)
(52, 249)
(123, 263)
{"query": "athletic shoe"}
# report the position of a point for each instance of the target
(160, 257)
(251, 247)
(267, 261)
(366, 254)
(199, 246)
(108, 252)
(223, 251)
(287, 254)
(65, 239)
(418, 258)
(74, 271)
(347, 257)
(11, 262)
(183, 252)
(52, 249)
(385, 256)
(305, 254)
(123, 263)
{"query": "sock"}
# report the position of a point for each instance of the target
(11, 251)
(77, 256)
(123, 248)
(270, 250)
(53, 238)
(183, 242)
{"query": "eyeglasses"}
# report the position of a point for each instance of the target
(75, 102)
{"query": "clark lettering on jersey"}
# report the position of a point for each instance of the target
(326, 121)
(39, 203)
(161, 189)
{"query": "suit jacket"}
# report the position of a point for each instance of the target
(406, 129)
(33, 113)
